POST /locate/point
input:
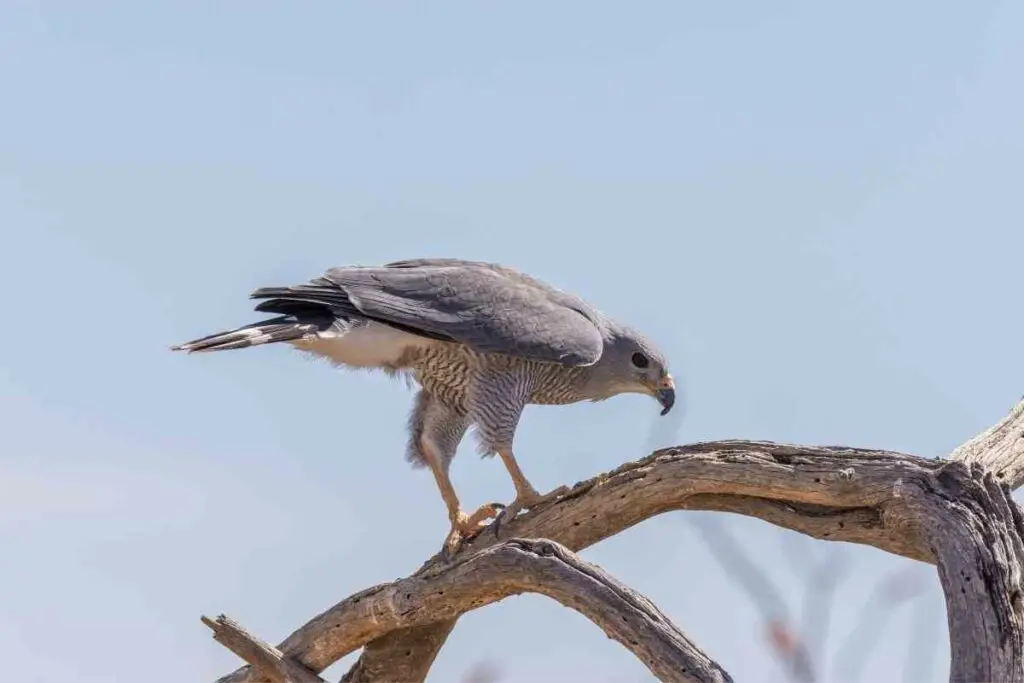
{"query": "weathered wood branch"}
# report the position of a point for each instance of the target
(953, 513)
(513, 567)
(999, 449)
(265, 659)
(405, 654)
(976, 529)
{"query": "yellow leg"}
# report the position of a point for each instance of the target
(463, 526)
(526, 496)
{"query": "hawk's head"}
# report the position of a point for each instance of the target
(631, 364)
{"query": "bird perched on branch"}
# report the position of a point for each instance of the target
(482, 340)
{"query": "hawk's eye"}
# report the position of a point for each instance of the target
(640, 360)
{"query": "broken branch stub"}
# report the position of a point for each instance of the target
(266, 660)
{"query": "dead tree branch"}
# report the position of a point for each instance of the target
(955, 513)
(999, 449)
(405, 654)
(513, 567)
(267, 660)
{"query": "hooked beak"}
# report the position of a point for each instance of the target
(666, 393)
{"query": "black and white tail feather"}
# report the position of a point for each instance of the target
(282, 329)
(306, 312)
(319, 319)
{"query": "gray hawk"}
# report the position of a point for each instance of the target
(481, 340)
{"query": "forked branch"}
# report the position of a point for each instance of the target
(955, 513)
(513, 567)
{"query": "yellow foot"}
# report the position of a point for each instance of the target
(465, 527)
(526, 500)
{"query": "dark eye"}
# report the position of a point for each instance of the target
(640, 360)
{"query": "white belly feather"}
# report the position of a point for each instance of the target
(365, 346)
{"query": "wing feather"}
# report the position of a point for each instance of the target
(487, 306)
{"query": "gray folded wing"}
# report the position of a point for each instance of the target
(486, 306)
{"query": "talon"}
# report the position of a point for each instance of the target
(496, 524)
(473, 524)
(452, 543)
(466, 527)
(507, 514)
(530, 500)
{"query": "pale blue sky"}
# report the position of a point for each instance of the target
(814, 207)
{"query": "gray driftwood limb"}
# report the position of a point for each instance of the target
(999, 449)
(405, 654)
(955, 513)
(518, 566)
(265, 659)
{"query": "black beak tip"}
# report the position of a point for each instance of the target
(667, 398)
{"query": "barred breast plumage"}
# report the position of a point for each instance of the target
(449, 371)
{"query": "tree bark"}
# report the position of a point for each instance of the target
(269, 661)
(976, 529)
(955, 513)
(999, 449)
(405, 654)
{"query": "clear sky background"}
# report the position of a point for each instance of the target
(814, 207)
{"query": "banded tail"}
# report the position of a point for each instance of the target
(305, 311)
(264, 332)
